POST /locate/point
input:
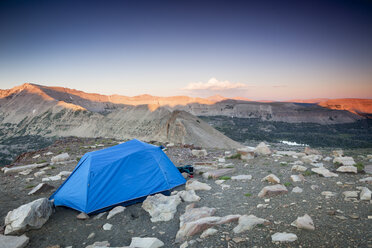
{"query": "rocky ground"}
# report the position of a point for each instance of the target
(338, 221)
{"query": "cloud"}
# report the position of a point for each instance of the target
(214, 85)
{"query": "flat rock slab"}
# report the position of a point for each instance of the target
(13, 241)
(283, 237)
(311, 159)
(60, 158)
(41, 188)
(297, 178)
(146, 243)
(23, 168)
(347, 161)
(277, 189)
(324, 172)
(161, 207)
(241, 177)
(196, 185)
(347, 169)
(115, 211)
(218, 173)
(298, 168)
(248, 222)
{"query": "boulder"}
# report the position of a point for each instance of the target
(310, 151)
(338, 153)
(241, 177)
(311, 159)
(248, 222)
(298, 168)
(304, 222)
(347, 169)
(218, 173)
(297, 178)
(348, 161)
(196, 185)
(32, 215)
(365, 194)
(13, 241)
(271, 179)
(188, 195)
(324, 172)
(283, 237)
(161, 207)
(297, 190)
(60, 158)
(262, 149)
(199, 153)
(273, 190)
(115, 211)
(41, 188)
(146, 242)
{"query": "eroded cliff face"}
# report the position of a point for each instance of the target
(356, 106)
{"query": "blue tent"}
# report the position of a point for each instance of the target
(118, 175)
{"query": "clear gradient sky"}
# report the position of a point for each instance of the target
(256, 49)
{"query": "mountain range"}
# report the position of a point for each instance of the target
(32, 109)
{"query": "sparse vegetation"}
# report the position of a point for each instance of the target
(41, 161)
(359, 166)
(225, 178)
(283, 164)
(308, 173)
(235, 156)
(287, 184)
(248, 194)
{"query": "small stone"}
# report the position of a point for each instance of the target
(328, 194)
(115, 211)
(219, 182)
(347, 169)
(248, 222)
(196, 185)
(60, 158)
(304, 222)
(39, 173)
(184, 245)
(354, 216)
(298, 168)
(41, 188)
(82, 216)
(297, 190)
(107, 227)
(92, 235)
(297, 178)
(199, 153)
(284, 237)
(273, 190)
(341, 217)
(99, 216)
(271, 179)
(25, 172)
(350, 194)
(188, 195)
(208, 232)
(366, 180)
(241, 177)
(365, 194)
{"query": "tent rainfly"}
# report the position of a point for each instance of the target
(119, 175)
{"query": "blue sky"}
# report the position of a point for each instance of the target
(256, 49)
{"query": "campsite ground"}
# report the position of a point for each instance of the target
(338, 223)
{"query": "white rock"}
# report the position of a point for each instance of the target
(25, 172)
(350, 194)
(324, 172)
(242, 177)
(219, 181)
(262, 205)
(248, 222)
(365, 194)
(304, 222)
(39, 188)
(196, 185)
(188, 195)
(366, 180)
(262, 149)
(13, 241)
(60, 158)
(347, 168)
(297, 178)
(298, 168)
(64, 173)
(273, 190)
(338, 153)
(328, 194)
(271, 179)
(311, 159)
(225, 186)
(283, 237)
(161, 207)
(221, 160)
(99, 244)
(36, 156)
(107, 227)
(317, 164)
(297, 190)
(115, 211)
(348, 161)
(327, 159)
(208, 232)
(146, 242)
(199, 153)
(184, 245)
(32, 215)
(48, 153)
(22, 168)
(52, 178)
(39, 173)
